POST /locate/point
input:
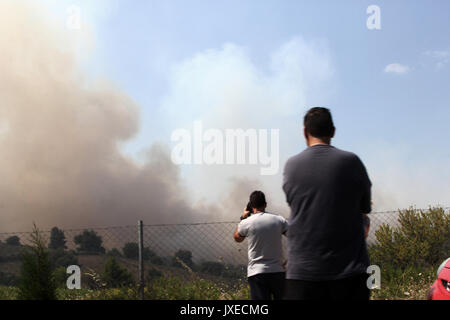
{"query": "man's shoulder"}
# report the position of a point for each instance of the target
(348, 155)
(296, 159)
(305, 156)
(274, 216)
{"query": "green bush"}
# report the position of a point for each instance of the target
(153, 273)
(116, 275)
(212, 267)
(408, 254)
(410, 283)
(183, 257)
(131, 250)
(155, 259)
(60, 277)
(10, 252)
(8, 293)
(62, 258)
(235, 271)
(36, 280)
(13, 241)
(173, 288)
(57, 239)
(89, 242)
(114, 252)
(421, 239)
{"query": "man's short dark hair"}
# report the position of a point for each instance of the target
(258, 200)
(319, 123)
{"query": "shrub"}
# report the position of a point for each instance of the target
(10, 252)
(131, 250)
(116, 275)
(153, 273)
(420, 239)
(175, 288)
(155, 259)
(235, 271)
(410, 283)
(57, 239)
(184, 256)
(13, 241)
(114, 252)
(36, 280)
(89, 242)
(60, 277)
(8, 293)
(62, 258)
(212, 267)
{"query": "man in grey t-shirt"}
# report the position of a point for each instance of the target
(328, 191)
(265, 255)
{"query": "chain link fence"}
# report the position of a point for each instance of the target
(206, 250)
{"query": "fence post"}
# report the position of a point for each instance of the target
(141, 259)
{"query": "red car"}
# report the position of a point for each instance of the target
(440, 290)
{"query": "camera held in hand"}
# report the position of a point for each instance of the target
(249, 208)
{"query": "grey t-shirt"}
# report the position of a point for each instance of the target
(327, 190)
(263, 232)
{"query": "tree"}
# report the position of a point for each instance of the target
(36, 280)
(89, 242)
(60, 277)
(57, 239)
(13, 241)
(185, 256)
(114, 252)
(154, 258)
(131, 250)
(62, 258)
(153, 274)
(116, 275)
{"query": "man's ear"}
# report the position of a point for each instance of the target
(305, 133)
(333, 132)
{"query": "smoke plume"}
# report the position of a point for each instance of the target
(60, 135)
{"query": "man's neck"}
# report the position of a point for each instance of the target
(317, 141)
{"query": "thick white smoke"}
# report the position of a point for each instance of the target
(60, 136)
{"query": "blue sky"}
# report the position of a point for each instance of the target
(391, 119)
(139, 42)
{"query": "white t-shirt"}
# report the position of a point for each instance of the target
(263, 231)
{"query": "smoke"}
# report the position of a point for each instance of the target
(60, 135)
(61, 131)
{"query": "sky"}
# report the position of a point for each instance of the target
(402, 114)
(262, 64)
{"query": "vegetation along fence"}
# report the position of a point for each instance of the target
(136, 255)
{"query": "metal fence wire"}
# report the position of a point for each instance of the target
(204, 249)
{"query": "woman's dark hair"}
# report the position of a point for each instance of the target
(258, 200)
(319, 123)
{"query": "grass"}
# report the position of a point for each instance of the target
(412, 284)
(164, 288)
